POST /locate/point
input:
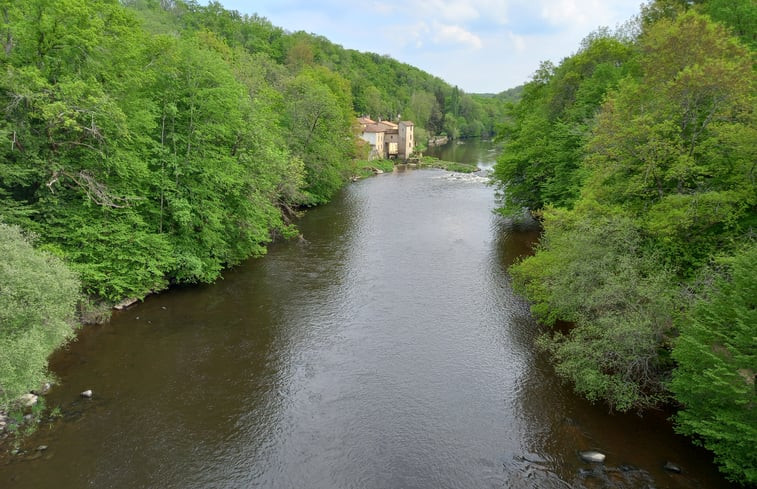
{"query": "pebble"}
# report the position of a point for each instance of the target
(42, 448)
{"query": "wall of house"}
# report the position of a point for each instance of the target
(407, 139)
(376, 140)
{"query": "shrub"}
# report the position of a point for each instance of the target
(38, 296)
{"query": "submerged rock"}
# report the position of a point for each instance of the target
(671, 467)
(593, 456)
(87, 394)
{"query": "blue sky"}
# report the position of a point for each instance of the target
(478, 45)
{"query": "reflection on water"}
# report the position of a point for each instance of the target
(384, 350)
(480, 152)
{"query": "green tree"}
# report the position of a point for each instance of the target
(591, 269)
(38, 297)
(320, 127)
(544, 139)
(676, 147)
(717, 363)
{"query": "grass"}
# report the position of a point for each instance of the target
(366, 168)
(432, 162)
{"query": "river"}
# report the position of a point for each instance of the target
(384, 350)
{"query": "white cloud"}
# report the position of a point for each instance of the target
(584, 13)
(422, 34)
(450, 10)
(454, 34)
(457, 11)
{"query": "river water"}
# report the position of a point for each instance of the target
(385, 350)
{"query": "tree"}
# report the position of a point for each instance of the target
(544, 140)
(319, 120)
(38, 297)
(676, 147)
(591, 269)
(717, 367)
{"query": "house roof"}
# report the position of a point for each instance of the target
(390, 125)
(374, 128)
(366, 120)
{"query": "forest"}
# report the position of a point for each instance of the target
(154, 143)
(637, 155)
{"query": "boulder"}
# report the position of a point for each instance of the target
(27, 400)
(126, 303)
(44, 389)
(87, 394)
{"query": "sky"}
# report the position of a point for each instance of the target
(482, 46)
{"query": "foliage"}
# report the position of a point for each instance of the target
(642, 170)
(715, 379)
(593, 270)
(545, 135)
(143, 159)
(366, 168)
(676, 147)
(38, 296)
(319, 122)
(380, 86)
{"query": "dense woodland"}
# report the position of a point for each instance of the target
(638, 155)
(147, 143)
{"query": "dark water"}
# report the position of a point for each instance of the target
(386, 351)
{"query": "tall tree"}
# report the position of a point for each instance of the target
(717, 358)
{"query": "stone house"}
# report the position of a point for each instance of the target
(387, 139)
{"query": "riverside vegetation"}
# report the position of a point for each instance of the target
(147, 143)
(637, 153)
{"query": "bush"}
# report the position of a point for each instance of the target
(596, 274)
(38, 296)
